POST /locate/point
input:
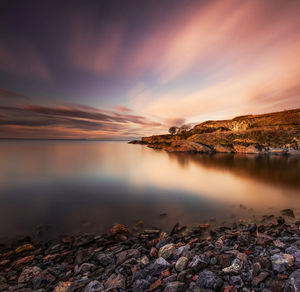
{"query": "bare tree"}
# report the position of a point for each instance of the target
(172, 130)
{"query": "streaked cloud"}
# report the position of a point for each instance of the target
(135, 68)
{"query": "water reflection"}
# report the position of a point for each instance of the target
(87, 186)
(284, 170)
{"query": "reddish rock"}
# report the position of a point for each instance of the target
(4, 262)
(153, 242)
(25, 247)
(115, 282)
(50, 257)
(203, 226)
(118, 229)
(157, 284)
(165, 273)
(24, 260)
(154, 252)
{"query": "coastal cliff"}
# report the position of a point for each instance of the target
(273, 133)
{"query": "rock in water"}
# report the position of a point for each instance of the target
(209, 280)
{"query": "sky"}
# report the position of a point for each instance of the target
(126, 69)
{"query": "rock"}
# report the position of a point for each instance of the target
(187, 146)
(256, 269)
(105, 259)
(235, 267)
(251, 149)
(260, 278)
(236, 281)
(153, 252)
(244, 238)
(118, 229)
(281, 262)
(182, 250)
(62, 287)
(94, 286)
(293, 282)
(263, 239)
(181, 264)
(279, 243)
(167, 251)
(288, 212)
(175, 287)
(24, 260)
(157, 284)
(224, 260)
(115, 281)
(162, 262)
(29, 274)
(25, 247)
(219, 243)
(144, 260)
(84, 268)
(209, 280)
(222, 148)
(242, 256)
(141, 285)
(197, 263)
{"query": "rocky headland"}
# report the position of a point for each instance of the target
(263, 255)
(274, 133)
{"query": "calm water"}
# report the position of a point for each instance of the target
(67, 186)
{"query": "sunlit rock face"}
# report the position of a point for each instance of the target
(275, 133)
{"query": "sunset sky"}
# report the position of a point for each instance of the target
(125, 69)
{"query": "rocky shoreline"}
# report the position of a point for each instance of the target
(274, 133)
(238, 257)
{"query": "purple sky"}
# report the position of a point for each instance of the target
(124, 69)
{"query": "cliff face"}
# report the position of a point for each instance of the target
(277, 133)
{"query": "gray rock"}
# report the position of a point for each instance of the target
(162, 262)
(94, 286)
(105, 259)
(209, 280)
(281, 262)
(236, 281)
(197, 263)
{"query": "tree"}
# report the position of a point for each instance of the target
(172, 130)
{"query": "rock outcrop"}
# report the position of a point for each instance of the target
(274, 133)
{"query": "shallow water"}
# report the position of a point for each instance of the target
(63, 187)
